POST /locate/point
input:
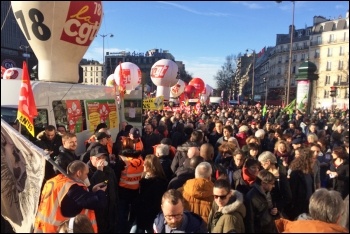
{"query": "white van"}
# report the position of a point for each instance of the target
(78, 107)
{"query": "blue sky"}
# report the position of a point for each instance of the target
(202, 34)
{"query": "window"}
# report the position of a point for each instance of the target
(96, 73)
(287, 58)
(279, 71)
(279, 59)
(85, 73)
(339, 78)
(329, 65)
(302, 56)
(334, 27)
(330, 52)
(96, 68)
(340, 66)
(321, 29)
(341, 50)
(319, 40)
(295, 57)
(85, 69)
(326, 94)
(328, 80)
(317, 53)
(85, 80)
(294, 69)
(90, 73)
(96, 80)
(90, 68)
(331, 38)
(91, 80)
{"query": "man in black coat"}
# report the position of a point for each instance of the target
(67, 151)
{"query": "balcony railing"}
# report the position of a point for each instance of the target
(341, 83)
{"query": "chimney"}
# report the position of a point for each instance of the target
(290, 29)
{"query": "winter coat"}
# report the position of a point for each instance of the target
(147, 204)
(181, 154)
(230, 218)
(198, 195)
(308, 226)
(64, 158)
(192, 223)
(258, 218)
(341, 182)
(181, 176)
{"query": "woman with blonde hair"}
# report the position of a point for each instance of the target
(153, 185)
(312, 138)
(282, 152)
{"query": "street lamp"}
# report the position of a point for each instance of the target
(290, 55)
(26, 54)
(103, 51)
(253, 72)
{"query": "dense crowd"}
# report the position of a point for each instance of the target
(227, 169)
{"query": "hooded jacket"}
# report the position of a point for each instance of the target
(230, 218)
(198, 195)
(308, 226)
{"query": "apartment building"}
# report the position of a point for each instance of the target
(92, 72)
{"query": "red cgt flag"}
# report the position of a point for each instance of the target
(121, 81)
(26, 104)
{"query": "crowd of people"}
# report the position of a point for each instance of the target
(228, 169)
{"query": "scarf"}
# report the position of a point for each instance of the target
(248, 178)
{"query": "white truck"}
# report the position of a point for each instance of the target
(78, 107)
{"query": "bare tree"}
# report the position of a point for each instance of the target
(225, 77)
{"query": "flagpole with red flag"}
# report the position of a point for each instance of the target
(26, 104)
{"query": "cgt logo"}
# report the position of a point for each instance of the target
(83, 22)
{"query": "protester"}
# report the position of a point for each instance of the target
(65, 197)
(174, 218)
(228, 211)
(67, 151)
(198, 192)
(325, 210)
(77, 224)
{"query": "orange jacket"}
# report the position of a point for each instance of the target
(131, 175)
(49, 215)
(138, 146)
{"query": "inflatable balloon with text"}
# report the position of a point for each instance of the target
(13, 73)
(177, 89)
(164, 75)
(128, 77)
(59, 33)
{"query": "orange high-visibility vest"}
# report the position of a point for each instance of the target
(131, 175)
(49, 215)
(138, 146)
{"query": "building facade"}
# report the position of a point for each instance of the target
(92, 72)
(326, 44)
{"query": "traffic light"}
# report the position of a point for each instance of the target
(333, 91)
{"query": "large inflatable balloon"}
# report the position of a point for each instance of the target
(59, 33)
(13, 73)
(206, 92)
(198, 84)
(110, 80)
(164, 75)
(177, 89)
(190, 91)
(127, 75)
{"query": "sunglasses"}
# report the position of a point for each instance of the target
(222, 197)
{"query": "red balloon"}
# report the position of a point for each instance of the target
(198, 83)
(190, 91)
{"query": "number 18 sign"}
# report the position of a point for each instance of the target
(59, 33)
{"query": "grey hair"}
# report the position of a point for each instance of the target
(162, 150)
(326, 205)
(203, 170)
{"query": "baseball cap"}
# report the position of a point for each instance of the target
(98, 151)
(135, 132)
(101, 135)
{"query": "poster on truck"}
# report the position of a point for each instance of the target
(101, 111)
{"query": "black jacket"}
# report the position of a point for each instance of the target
(64, 158)
(106, 217)
(258, 218)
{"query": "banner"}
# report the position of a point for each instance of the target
(101, 111)
(74, 116)
(303, 88)
(22, 174)
(26, 104)
(156, 103)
